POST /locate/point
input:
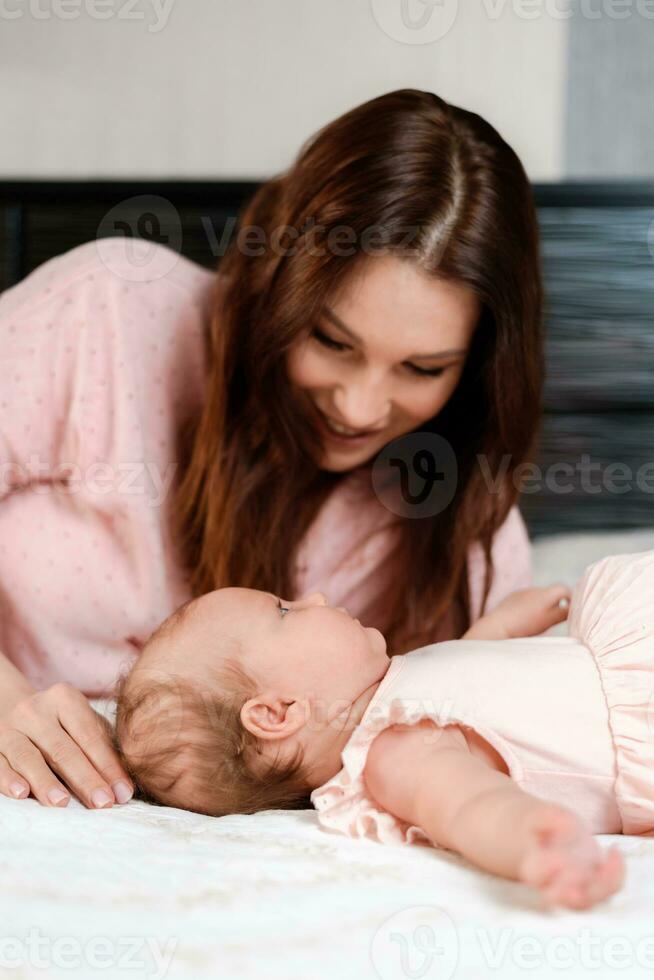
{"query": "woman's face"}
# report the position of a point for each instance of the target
(382, 360)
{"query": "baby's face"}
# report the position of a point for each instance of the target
(305, 643)
(315, 657)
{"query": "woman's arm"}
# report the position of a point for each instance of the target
(13, 685)
(50, 739)
(428, 777)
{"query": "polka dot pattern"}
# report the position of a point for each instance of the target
(96, 374)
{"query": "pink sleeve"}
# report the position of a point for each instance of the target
(511, 555)
(70, 336)
(40, 321)
(101, 359)
(44, 432)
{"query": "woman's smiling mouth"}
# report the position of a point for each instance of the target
(342, 434)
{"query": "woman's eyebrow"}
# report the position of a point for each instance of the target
(454, 352)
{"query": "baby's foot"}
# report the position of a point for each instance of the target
(566, 864)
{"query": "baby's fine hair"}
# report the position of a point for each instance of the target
(184, 745)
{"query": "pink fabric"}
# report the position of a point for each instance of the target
(101, 361)
(613, 614)
(573, 717)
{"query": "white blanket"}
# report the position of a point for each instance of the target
(142, 891)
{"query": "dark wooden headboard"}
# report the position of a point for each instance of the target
(595, 466)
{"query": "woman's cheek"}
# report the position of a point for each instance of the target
(425, 404)
(447, 387)
(306, 368)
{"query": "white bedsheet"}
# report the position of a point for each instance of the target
(142, 891)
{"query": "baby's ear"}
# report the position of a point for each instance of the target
(271, 716)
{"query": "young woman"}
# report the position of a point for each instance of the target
(167, 431)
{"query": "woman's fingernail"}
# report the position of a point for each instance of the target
(100, 798)
(18, 789)
(57, 796)
(122, 791)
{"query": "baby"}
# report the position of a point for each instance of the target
(509, 748)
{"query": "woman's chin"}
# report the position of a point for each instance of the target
(335, 463)
(337, 460)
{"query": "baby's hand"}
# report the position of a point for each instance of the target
(526, 612)
(566, 864)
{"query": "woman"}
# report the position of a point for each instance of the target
(172, 431)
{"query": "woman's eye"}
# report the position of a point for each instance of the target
(335, 345)
(426, 372)
(326, 341)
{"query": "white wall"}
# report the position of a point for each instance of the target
(231, 88)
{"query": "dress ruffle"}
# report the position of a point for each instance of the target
(612, 613)
(343, 802)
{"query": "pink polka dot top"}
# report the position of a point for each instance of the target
(101, 362)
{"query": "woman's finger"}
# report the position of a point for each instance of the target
(64, 756)
(26, 761)
(11, 783)
(75, 742)
(90, 730)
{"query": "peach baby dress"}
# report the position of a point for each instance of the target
(572, 716)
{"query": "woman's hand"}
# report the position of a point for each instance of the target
(526, 612)
(56, 731)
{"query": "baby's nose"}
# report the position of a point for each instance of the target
(315, 599)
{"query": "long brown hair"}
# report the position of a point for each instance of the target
(250, 485)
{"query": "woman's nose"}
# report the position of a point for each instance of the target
(362, 406)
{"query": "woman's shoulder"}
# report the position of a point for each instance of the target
(131, 268)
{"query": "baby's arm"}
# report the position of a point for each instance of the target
(525, 612)
(428, 777)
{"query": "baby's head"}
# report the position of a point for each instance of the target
(241, 701)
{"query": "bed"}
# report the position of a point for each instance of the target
(145, 891)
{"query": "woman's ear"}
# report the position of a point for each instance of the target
(270, 716)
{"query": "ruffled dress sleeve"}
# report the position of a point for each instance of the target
(343, 803)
